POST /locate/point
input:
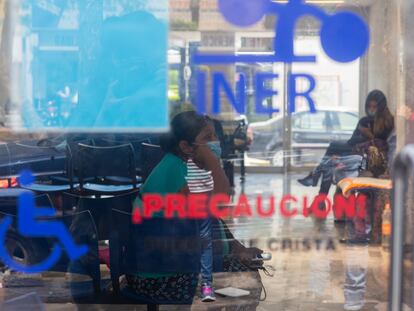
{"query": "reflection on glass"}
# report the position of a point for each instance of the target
(92, 65)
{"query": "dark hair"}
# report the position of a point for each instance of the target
(384, 120)
(184, 126)
(378, 97)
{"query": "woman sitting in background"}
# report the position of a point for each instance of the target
(369, 138)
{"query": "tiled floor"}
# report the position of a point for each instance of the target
(303, 279)
(310, 280)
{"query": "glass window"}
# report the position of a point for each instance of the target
(311, 121)
(347, 121)
(71, 65)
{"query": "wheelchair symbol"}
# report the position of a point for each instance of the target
(29, 225)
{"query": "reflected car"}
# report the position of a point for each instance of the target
(311, 132)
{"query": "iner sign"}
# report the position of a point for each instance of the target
(344, 37)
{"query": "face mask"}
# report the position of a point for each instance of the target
(372, 114)
(215, 148)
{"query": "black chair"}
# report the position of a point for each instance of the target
(136, 140)
(112, 169)
(157, 245)
(84, 230)
(98, 168)
(151, 155)
(136, 145)
(71, 169)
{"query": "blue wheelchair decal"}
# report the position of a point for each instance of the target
(344, 35)
(29, 225)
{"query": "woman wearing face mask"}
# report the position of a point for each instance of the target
(372, 131)
(191, 165)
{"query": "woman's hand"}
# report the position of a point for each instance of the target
(246, 255)
(366, 131)
(205, 158)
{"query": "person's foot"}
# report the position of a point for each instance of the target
(207, 293)
(310, 180)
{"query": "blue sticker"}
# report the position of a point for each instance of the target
(93, 66)
(344, 35)
(344, 38)
(31, 225)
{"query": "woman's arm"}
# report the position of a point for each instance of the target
(358, 136)
(221, 183)
(206, 159)
(366, 131)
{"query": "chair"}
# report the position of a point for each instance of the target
(136, 145)
(351, 166)
(156, 245)
(151, 155)
(136, 140)
(69, 175)
(84, 231)
(378, 192)
(112, 169)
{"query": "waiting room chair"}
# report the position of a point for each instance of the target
(71, 169)
(151, 155)
(112, 169)
(136, 145)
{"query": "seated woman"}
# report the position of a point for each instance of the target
(369, 138)
(191, 165)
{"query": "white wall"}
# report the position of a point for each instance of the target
(337, 83)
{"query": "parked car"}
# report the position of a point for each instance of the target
(310, 131)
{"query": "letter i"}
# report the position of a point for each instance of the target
(201, 92)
